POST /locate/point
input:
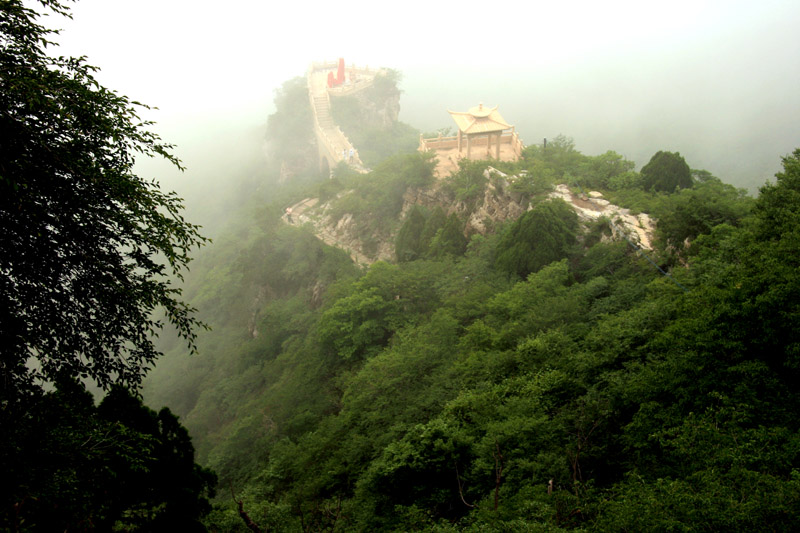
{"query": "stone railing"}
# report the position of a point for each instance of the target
(437, 143)
(448, 143)
(333, 65)
(364, 76)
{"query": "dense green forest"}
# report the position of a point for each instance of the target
(547, 375)
(543, 376)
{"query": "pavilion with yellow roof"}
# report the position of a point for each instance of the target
(487, 136)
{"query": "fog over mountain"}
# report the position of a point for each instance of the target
(587, 337)
(716, 81)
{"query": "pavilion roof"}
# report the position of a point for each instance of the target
(479, 119)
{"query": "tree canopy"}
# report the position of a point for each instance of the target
(87, 248)
(584, 391)
(543, 376)
(540, 236)
(70, 465)
(89, 252)
(666, 172)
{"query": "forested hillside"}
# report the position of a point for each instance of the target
(558, 343)
(542, 376)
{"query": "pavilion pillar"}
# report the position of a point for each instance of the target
(469, 146)
(497, 148)
(459, 141)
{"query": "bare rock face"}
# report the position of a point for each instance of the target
(343, 233)
(497, 205)
(425, 198)
(636, 228)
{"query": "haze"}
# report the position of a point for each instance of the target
(717, 81)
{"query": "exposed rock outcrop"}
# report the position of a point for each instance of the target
(637, 228)
(378, 105)
(344, 233)
(497, 205)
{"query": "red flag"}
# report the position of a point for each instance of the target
(340, 73)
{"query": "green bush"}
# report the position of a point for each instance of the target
(666, 172)
(545, 234)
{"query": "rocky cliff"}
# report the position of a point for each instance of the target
(377, 106)
(495, 206)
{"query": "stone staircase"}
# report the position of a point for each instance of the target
(331, 139)
(322, 108)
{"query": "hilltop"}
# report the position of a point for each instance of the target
(495, 206)
(362, 104)
(505, 353)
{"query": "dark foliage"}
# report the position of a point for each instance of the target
(666, 172)
(684, 216)
(450, 240)
(590, 394)
(541, 236)
(88, 256)
(69, 465)
(86, 246)
(408, 245)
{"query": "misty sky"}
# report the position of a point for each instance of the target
(717, 81)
